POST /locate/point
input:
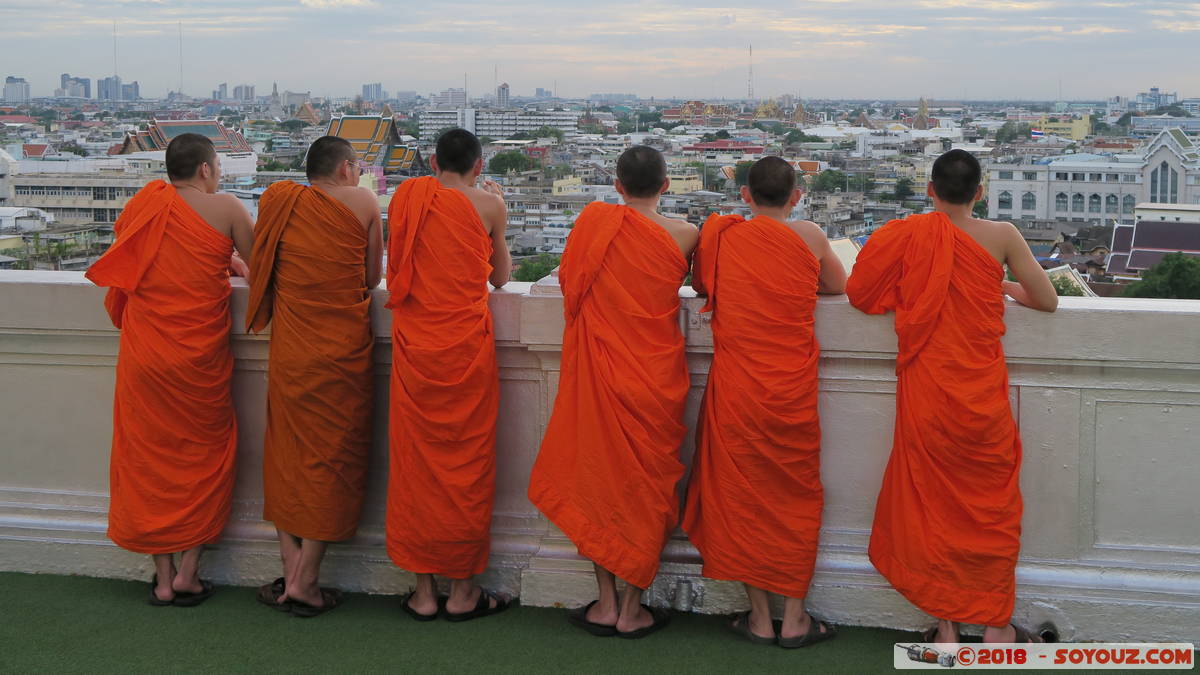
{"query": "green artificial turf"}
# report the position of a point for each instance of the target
(79, 624)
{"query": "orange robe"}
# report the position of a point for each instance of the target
(754, 498)
(445, 383)
(308, 280)
(948, 520)
(609, 462)
(174, 430)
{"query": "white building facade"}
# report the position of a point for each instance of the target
(496, 123)
(1097, 189)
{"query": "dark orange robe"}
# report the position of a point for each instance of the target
(308, 280)
(609, 463)
(445, 388)
(948, 520)
(754, 498)
(174, 430)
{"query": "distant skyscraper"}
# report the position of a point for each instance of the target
(109, 88)
(450, 98)
(131, 91)
(221, 92)
(372, 92)
(543, 93)
(502, 95)
(243, 92)
(16, 90)
(77, 87)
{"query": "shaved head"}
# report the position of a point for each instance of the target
(457, 151)
(185, 154)
(642, 170)
(956, 176)
(326, 154)
(771, 181)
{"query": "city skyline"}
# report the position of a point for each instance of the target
(946, 49)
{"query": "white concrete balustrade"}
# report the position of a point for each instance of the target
(1106, 392)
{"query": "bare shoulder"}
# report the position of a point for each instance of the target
(677, 225)
(807, 228)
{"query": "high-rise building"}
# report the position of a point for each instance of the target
(372, 92)
(406, 96)
(75, 87)
(543, 93)
(221, 93)
(109, 88)
(1149, 100)
(449, 98)
(16, 90)
(131, 91)
(496, 123)
(243, 92)
(502, 95)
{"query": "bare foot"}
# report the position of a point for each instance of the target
(800, 628)
(461, 604)
(310, 596)
(947, 632)
(183, 584)
(163, 590)
(605, 614)
(423, 602)
(638, 619)
(761, 626)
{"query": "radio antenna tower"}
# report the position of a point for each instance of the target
(750, 76)
(116, 82)
(180, 91)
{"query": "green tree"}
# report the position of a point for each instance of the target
(292, 126)
(513, 160)
(903, 189)
(73, 148)
(486, 140)
(829, 180)
(1065, 286)
(1172, 110)
(532, 269)
(796, 136)
(722, 134)
(1125, 120)
(549, 132)
(1177, 275)
(980, 209)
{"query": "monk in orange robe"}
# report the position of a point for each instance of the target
(445, 243)
(317, 255)
(609, 463)
(947, 526)
(754, 498)
(174, 430)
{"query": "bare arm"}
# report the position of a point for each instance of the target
(498, 222)
(1032, 287)
(242, 232)
(832, 280)
(374, 249)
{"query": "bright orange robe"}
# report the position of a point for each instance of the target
(948, 520)
(308, 279)
(609, 462)
(754, 498)
(445, 388)
(174, 430)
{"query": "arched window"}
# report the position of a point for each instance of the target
(1127, 204)
(1076, 202)
(1094, 204)
(1005, 200)
(1028, 201)
(1110, 204)
(1060, 201)
(1154, 185)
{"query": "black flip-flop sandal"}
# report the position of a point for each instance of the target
(741, 626)
(441, 606)
(154, 601)
(930, 637)
(269, 594)
(332, 598)
(812, 637)
(578, 618)
(183, 599)
(661, 618)
(482, 607)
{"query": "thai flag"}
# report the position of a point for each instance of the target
(1036, 133)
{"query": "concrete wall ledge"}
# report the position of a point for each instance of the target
(1106, 392)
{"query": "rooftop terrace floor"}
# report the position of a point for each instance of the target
(81, 624)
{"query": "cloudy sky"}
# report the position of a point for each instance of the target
(949, 49)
